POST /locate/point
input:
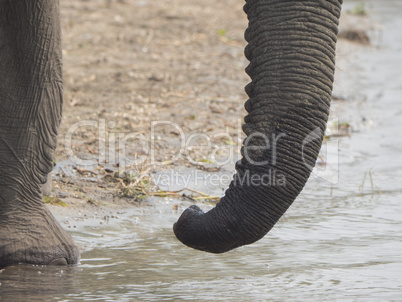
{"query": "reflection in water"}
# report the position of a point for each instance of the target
(338, 241)
(36, 283)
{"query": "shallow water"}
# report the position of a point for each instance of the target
(341, 240)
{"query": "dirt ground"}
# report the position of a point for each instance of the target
(147, 81)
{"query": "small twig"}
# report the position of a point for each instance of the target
(207, 197)
(176, 194)
(197, 192)
(188, 197)
(82, 171)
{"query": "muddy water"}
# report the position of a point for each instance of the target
(341, 240)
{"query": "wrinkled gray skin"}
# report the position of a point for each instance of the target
(291, 52)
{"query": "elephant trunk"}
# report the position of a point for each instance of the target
(292, 56)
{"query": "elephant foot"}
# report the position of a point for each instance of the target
(33, 236)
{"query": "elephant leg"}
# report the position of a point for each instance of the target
(31, 96)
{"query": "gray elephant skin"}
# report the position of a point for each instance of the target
(291, 49)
